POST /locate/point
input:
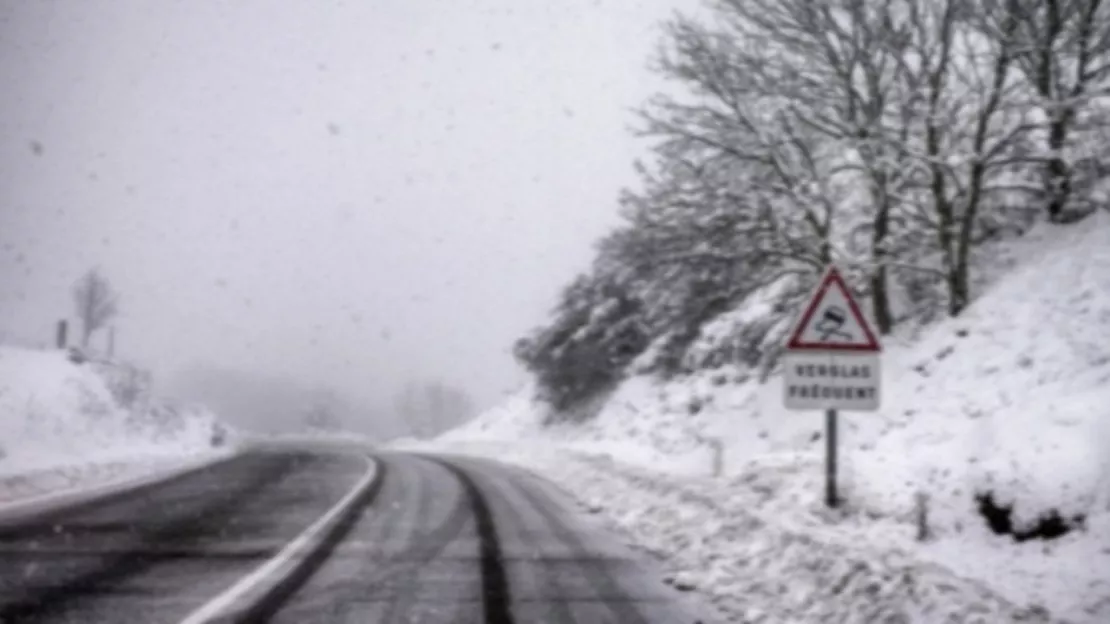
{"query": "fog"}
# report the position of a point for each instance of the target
(344, 193)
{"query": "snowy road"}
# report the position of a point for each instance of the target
(462, 540)
(156, 555)
(436, 540)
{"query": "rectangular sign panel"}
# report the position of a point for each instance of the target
(831, 380)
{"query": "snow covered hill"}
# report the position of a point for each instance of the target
(1012, 398)
(58, 417)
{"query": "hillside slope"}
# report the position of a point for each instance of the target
(57, 414)
(1024, 374)
(1011, 398)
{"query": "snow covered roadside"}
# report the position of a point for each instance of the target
(751, 561)
(62, 429)
(1010, 398)
(764, 522)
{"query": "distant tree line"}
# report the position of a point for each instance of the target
(896, 138)
(431, 407)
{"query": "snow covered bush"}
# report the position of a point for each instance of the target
(596, 332)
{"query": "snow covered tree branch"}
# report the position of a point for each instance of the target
(893, 137)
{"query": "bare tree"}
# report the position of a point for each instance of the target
(915, 97)
(895, 137)
(1062, 47)
(743, 187)
(95, 303)
(835, 62)
(973, 121)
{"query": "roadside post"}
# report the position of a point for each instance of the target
(832, 363)
(61, 334)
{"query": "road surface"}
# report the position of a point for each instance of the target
(156, 555)
(464, 540)
(435, 539)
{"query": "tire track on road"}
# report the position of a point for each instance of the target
(496, 597)
(427, 547)
(283, 591)
(557, 611)
(388, 577)
(593, 568)
(338, 594)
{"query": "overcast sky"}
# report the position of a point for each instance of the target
(355, 192)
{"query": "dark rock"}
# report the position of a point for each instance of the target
(1049, 525)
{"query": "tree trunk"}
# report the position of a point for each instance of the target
(1059, 176)
(959, 280)
(880, 301)
(959, 290)
(880, 297)
(946, 221)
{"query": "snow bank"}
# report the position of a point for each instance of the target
(56, 415)
(519, 416)
(730, 542)
(1012, 397)
(323, 440)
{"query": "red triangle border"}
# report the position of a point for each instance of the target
(832, 277)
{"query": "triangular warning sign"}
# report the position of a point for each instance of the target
(832, 321)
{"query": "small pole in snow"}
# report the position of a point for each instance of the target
(718, 447)
(831, 498)
(60, 337)
(921, 502)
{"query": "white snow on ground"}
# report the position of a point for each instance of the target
(758, 552)
(61, 427)
(323, 440)
(1014, 395)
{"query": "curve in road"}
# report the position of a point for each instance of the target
(424, 539)
(453, 539)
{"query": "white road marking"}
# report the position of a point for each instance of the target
(304, 542)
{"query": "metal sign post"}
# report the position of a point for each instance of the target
(831, 498)
(832, 363)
